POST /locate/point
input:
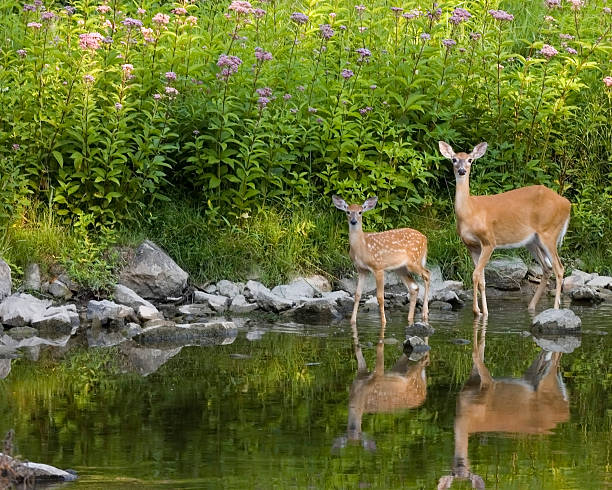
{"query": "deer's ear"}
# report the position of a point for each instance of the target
(339, 203)
(446, 149)
(479, 150)
(370, 203)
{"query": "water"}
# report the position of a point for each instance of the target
(271, 410)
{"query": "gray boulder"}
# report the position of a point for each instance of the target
(506, 273)
(58, 289)
(31, 278)
(196, 309)
(298, 288)
(145, 360)
(126, 296)
(5, 367)
(446, 296)
(600, 282)
(556, 321)
(101, 337)
(21, 333)
(319, 282)
(22, 309)
(153, 274)
(317, 310)
(216, 302)
(34, 471)
(228, 288)
(106, 311)
(266, 300)
(58, 320)
(241, 306)
(421, 329)
(586, 294)
(6, 283)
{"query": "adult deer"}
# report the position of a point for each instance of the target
(403, 250)
(532, 404)
(403, 387)
(533, 217)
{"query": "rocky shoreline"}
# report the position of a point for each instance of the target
(153, 305)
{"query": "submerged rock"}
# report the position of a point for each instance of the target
(558, 343)
(210, 333)
(586, 294)
(554, 321)
(421, 329)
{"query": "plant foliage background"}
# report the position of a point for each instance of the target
(111, 108)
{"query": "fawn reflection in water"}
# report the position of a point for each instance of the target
(532, 404)
(404, 386)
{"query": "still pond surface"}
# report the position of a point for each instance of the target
(299, 406)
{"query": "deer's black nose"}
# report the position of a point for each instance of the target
(353, 221)
(461, 171)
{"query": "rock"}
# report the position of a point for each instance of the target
(211, 333)
(255, 334)
(460, 341)
(317, 310)
(6, 283)
(421, 329)
(5, 368)
(126, 296)
(320, 283)
(159, 323)
(210, 289)
(369, 286)
(371, 304)
(106, 311)
(265, 298)
(153, 274)
(586, 276)
(196, 309)
(228, 288)
(558, 343)
(241, 306)
(58, 320)
(21, 309)
(20, 333)
(31, 277)
(572, 282)
(506, 273)
(534, 272)
(36, 471)
(554, 321)
(58, 289)
(586, 294)
(146, 313)
(440, 305)
(131, 330)
(216, 302)
(600, 282)
(446, 296)
(299, 288)
(455, 286)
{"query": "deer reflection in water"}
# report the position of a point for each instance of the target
(533, 404)
(404, 386)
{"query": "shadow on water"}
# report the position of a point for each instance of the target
(305, 406)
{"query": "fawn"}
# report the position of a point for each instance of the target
(403, 250)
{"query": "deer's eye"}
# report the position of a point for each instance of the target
(469, 160)
(360, 213)
(454, 160)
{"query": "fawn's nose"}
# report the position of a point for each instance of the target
(461, 171)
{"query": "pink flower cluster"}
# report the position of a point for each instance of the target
(501, 15)
(229, 65)
(179, 11)
(346, 74)
(299, 18)
(548, 51)
(448, 43)
(241, 7)
(459, 15)
(103, 9)
(326, 31)
(412, 14)
(608, 81)
(553, 4)
(91, 40)
(161, 19)
(364, 54)
(576, 4)
(262, 55)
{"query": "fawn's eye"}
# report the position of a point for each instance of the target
(469, 160)
(360, 213)
(454, 160)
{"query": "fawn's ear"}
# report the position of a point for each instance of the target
(446, 149)
(339, 203)
(369, 204)
(479, 150)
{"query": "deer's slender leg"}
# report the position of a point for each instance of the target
(360, 280)
(413, 290)
(479, 280)
(380, 295)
